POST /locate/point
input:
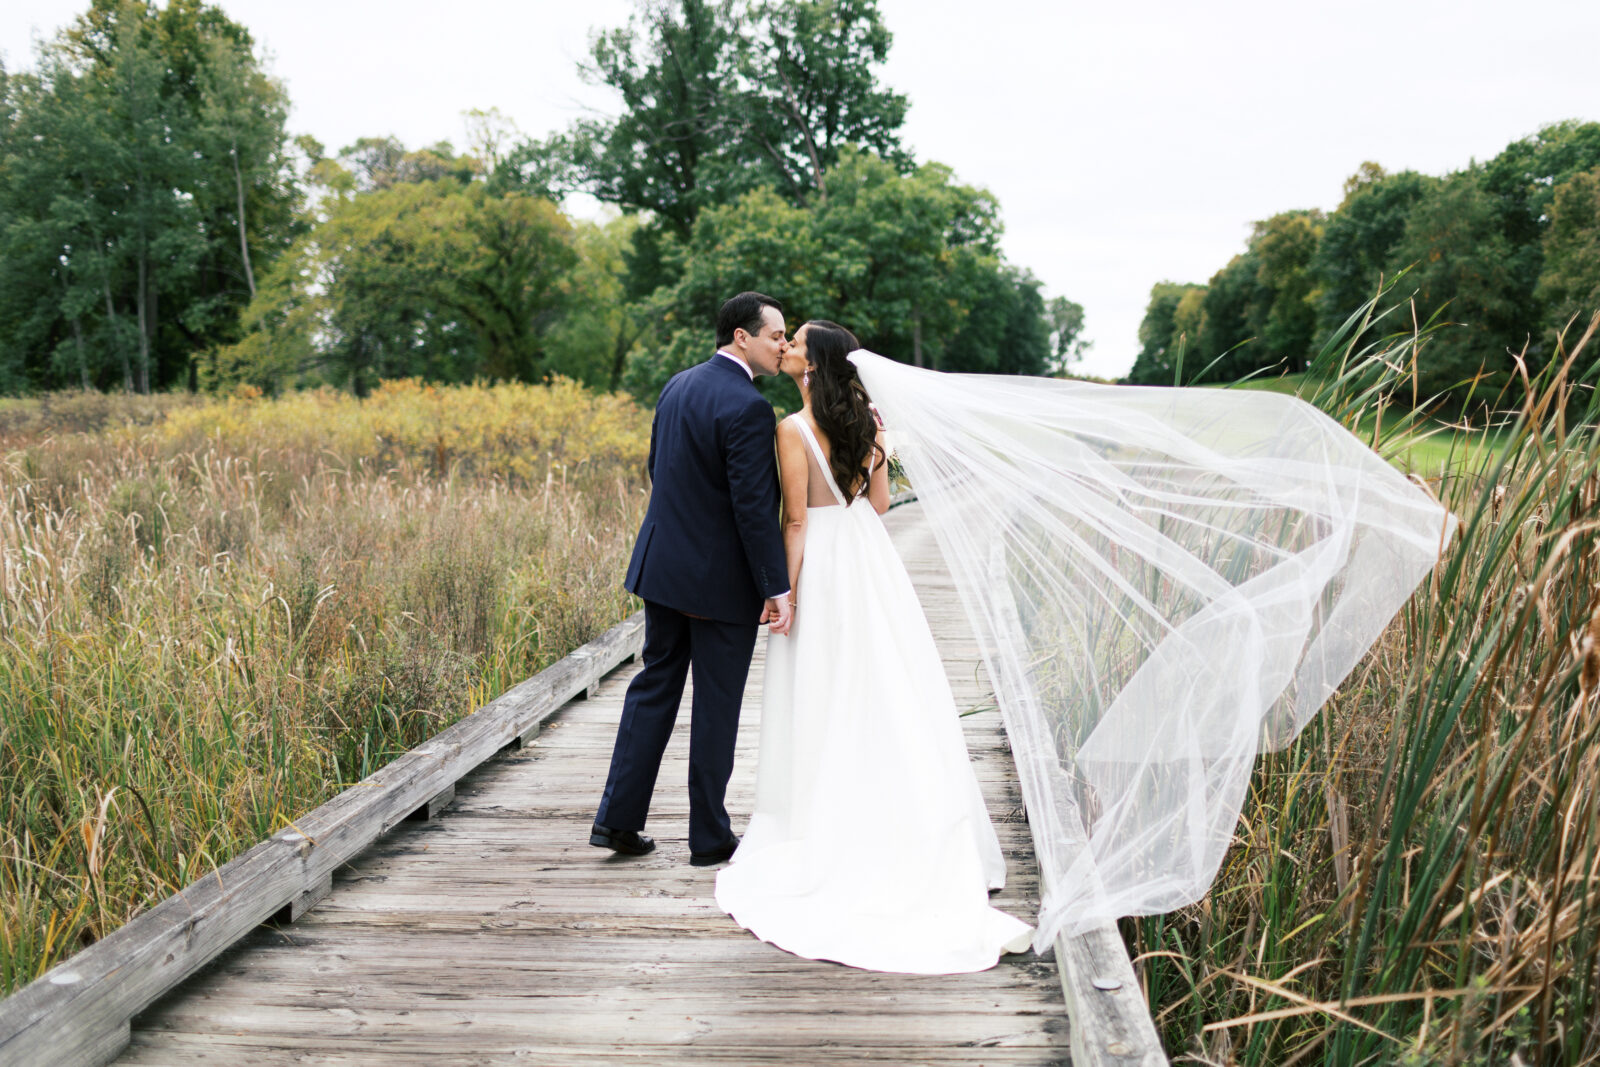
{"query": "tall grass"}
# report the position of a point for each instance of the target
(1417, 879)
(213, 616)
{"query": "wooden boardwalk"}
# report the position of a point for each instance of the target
(496, 933)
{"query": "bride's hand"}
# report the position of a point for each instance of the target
(782, 615)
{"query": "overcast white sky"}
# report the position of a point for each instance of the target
(1127, 142)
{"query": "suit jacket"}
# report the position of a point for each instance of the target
(710, 543)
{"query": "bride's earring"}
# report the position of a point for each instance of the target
(805, 379)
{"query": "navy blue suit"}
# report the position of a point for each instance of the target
(709, 555)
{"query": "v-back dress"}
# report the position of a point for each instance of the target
(870, 843)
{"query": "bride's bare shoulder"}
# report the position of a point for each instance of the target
(789, 431)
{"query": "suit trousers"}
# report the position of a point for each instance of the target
(719, 653)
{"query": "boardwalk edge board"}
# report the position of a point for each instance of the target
(1110, 1021)
(79, 1011)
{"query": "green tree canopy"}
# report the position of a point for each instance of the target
(1359, 240)
(1570, 283)
(721, 97)
(1169, 328)
(910, 263)
(1068, 345)
(144, 180)
(1466, 264)
(430, 278)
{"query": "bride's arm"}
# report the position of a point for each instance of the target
(878, 486)
(792, 476)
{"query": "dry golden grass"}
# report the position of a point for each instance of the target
(213, 616)
(1417, 879)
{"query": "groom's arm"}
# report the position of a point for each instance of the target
(753, 490)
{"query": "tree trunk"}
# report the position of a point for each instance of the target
(141, 301)
(83, 359)
(244, 242)
(77, 337)
(116, 333)
(619, 354)
(811, 144)
(154, 314)
(916, 338)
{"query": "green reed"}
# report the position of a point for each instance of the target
(1417, 878)
(200, 641)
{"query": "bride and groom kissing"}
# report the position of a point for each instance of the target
(870, 843)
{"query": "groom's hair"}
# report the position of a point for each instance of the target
(742, 312)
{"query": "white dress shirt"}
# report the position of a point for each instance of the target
(742, 364)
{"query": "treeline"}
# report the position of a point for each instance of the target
(1508, 249)
(159, 227)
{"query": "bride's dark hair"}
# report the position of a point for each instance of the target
(839, 404)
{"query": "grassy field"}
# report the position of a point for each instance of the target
(1417, 879)
(1431, 448)
(214, 615)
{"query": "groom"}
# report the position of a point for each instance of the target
(709, 565)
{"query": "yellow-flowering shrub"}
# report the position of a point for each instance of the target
(516, 431)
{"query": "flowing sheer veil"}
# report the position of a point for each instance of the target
(1163, 582)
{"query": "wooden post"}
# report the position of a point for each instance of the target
(427, 811)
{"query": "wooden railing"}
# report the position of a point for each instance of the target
(79, 1011)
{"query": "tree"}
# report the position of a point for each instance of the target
(432, 278)
(1569, 285)
(1519, 184)
(592, 340)
(143, 183)
(674, 71)
(905, 261)
(241, 125)
(1163, 337)
(1005, 329)
(1465, 262)
(1068, 344)
(1285, 246)
(720, 97)
(1359, 240)
(811, 88)
(1233, 316)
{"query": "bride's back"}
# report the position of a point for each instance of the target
(818, 492)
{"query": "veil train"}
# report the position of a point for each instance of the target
(1163, 582)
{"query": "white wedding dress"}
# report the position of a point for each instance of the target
(870, 843)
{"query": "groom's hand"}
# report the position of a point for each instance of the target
(780, 615)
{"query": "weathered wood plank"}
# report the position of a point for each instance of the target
(180, 1050)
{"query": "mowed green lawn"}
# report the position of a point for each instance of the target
(1429, 450)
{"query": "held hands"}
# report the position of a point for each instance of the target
(778, 614)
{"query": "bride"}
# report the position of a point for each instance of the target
(859, 729)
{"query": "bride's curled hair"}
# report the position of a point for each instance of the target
(839, 403)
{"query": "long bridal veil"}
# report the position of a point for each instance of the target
(1163, 583)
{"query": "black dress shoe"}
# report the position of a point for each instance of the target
(628, 842)
(715, 856)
